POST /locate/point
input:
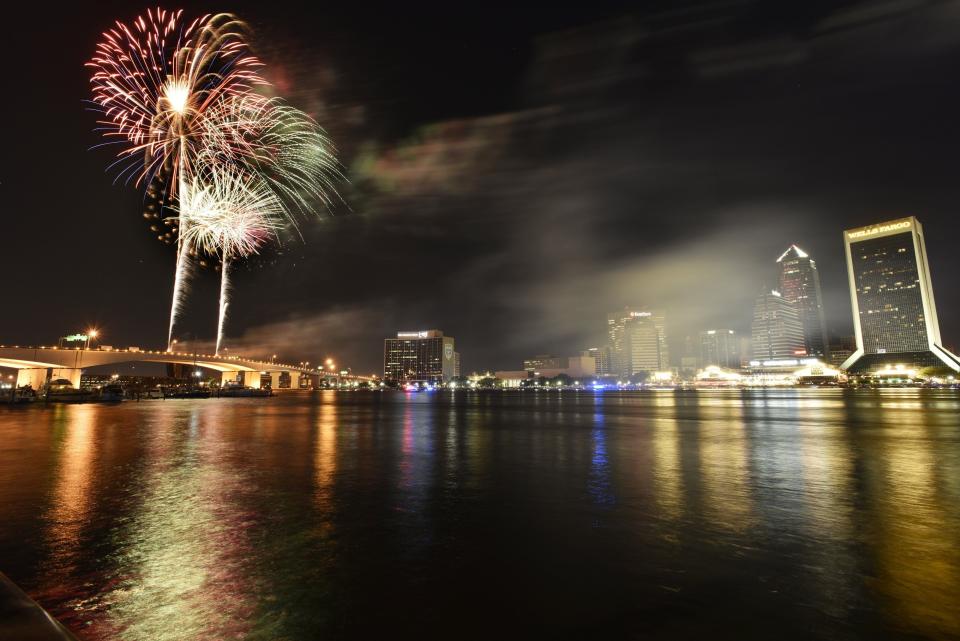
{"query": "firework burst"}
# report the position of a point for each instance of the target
(229, 214)
(153, 83)
(281, 143)
(177, 98)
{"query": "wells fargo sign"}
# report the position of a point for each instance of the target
(873, 230)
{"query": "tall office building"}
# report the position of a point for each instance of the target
(800, 284)
(719, 347)
(638, 342)
(777, 331)
(424, 356)
(894, 315)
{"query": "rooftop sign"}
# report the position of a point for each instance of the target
(873, 230)
(425, 333)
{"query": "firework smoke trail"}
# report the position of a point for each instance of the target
(230, 214)
(153, 83)
(224, 300)
(181, 278)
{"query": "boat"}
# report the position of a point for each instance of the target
(69, 395)
(186, 393)
(111, 393)
(239, 391)
(20, 395)
(106, 394)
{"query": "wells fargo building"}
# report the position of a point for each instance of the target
(894, 314)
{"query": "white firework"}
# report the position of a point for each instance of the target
(229, 214)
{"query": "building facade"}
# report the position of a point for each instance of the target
(583, 365)
(638, 342)
(545, 361)
(777, 332)
(894, 314)
(800, 284)
(719, 347)
(601, 359)
(425, 356)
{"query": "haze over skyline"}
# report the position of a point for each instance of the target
(512, 181)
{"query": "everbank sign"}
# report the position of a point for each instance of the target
(878, 229)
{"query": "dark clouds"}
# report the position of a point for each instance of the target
(513, 184)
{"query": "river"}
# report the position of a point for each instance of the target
(768, 514)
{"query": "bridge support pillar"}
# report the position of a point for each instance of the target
(302, 380)
(34, 377)
(274, 380)
(251, 379)
(245, 378)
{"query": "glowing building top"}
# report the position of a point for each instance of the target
(799, 283)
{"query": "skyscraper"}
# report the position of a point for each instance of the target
(638, 341)
(777, 331)
(719, 347)
(894, 315)
(800, 285)
(422, 356)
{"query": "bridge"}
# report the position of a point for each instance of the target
(36, 366)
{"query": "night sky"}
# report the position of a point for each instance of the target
(514, 174)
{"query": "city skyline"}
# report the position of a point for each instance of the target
(788, 323)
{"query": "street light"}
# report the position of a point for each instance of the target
(91, 333)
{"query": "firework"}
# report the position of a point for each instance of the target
(229, 214)
(281, 143)
(153, 83)
(177, 98)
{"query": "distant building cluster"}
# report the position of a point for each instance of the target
(896, 331)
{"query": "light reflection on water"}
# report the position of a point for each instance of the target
(918, 555)
(830, 514)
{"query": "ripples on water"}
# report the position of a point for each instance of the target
(743, 515)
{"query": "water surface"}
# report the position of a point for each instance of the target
(787, 514)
